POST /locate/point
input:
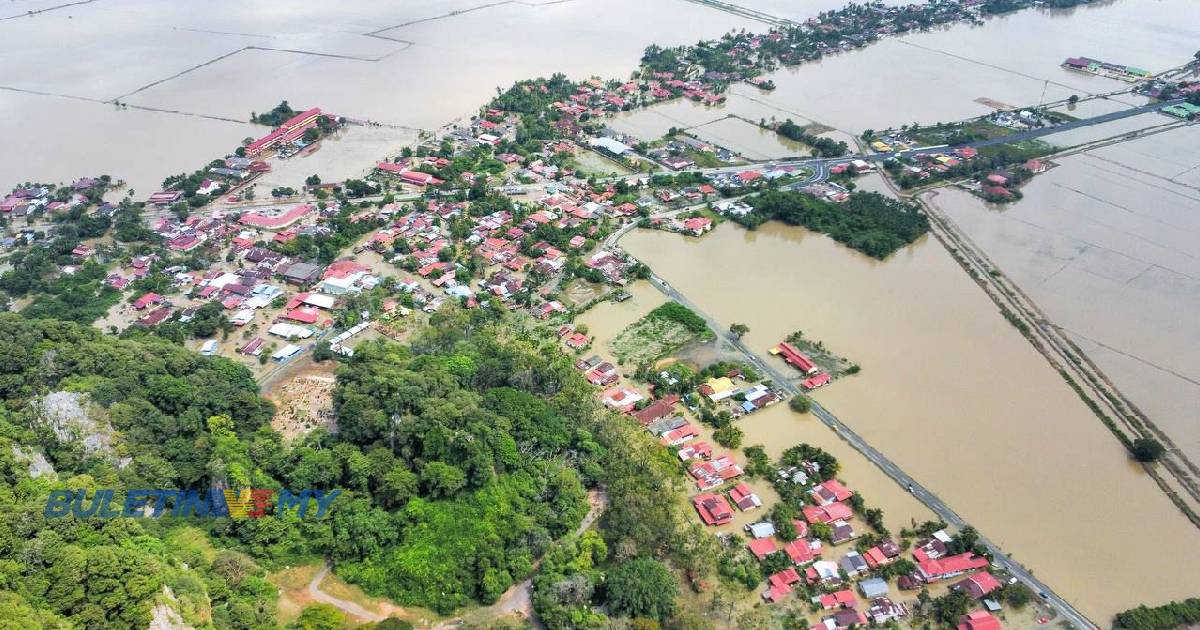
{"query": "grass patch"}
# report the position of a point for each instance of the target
(662, 331)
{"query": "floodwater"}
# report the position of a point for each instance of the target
(1105, 243)
(417, 65)
(351, 152)
(942, 75)
(955, 396)
(748, 139)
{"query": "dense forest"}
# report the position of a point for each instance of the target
(461, 460)
(868, 222)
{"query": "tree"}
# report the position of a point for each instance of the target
(800, 403)
(1073, 99)
(313, 180)
(738, 330)
(728, 436)
(319, 617)
(1016, 595)
(1147, 450)
(642, 587)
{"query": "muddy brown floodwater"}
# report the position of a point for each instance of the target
(955, 396)
(417, 64)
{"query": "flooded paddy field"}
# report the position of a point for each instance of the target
(955, 396)
(417, 65)
(1106, 245)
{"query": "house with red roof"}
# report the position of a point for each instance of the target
(146, 300)
(713, 473)
(830, 491)
(979, 620)
(254, 348)
(695, 450)
(802, 551)
(697, 225)
(744, 497)
(779, 585)
(997, 191)
(304, 315)
(276, 221)
(762, 547)
(656, 410)
(950, 566)
(813, 382)
(844, 598)
(675, 437)
(155, 317)
(578, 341)
(827, 513)
(713, 509)
(748, 177)
(620, 399)
(978, 585)
(792, 355)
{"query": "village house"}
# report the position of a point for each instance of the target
(844, 598)
(979, 620)
(978, 585)
(949, 566)
(762, 547)
(780, 584)
(711, 474)
(744, 498)
(713, 509)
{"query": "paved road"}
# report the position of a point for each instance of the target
(1065, 610)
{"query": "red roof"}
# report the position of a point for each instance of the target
(777, 592)
(979, 620)
(842, 599)
(743, 496)
(660, 408)
(799, 551)
(276, 222)
(713, 509)
(951, 565)
(827, 514)
(875, 557)
(300, 118)
(798, 359)
(762, 547)
(985, 582)
(831, 491)
(785, 577)
(418, 178)
(146, 300)
(814, 382)
(303, 315)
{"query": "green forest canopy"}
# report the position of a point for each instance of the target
(460, 459)
(868, 222)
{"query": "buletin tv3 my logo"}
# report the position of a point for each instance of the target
(245, 503)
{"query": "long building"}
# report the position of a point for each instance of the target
(797, 359)
(290, 130)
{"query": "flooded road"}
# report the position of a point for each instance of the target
(954, 395)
